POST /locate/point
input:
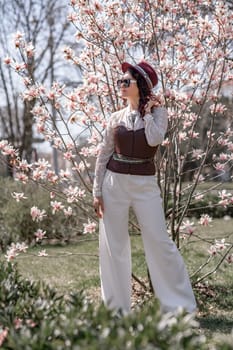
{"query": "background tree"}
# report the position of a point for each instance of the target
(43, 25)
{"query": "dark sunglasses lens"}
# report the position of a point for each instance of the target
(119, 83)
(125, 82)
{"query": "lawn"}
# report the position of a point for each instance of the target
(75, 267)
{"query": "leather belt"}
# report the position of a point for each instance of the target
(125, 159)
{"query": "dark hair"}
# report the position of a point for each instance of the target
(144, 91)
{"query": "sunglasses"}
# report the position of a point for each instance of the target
(126, 82)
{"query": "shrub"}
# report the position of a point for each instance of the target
(16, 221)
(209, 204)
(36, 317)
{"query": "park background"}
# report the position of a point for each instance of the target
(59, 66)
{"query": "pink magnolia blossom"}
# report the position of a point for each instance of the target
(40, 127)
(3, 143)
(182, 136)
(9, 150)
(3, 335)
(18, 35)
(52, 194)
(200, 177)
(225, 198)
(70, 146)
(193, 134)
(224, 202)
(197, 153)
(11, 254)
(69, 53)
(224, 194)
(210, 134)
(219, 166)
(218, 108)
(37, 214)
(18, 67)
(31, 93)
(21, 247)
(81, 193)
(223, 157)
(18, 196)
(23, 166)
(30, 50)
(222, 141)
(51, 177)
(37, 175)
(74, 2)
(18, 323)
(68, 155)
(72, 17)
(42, 253)
(73, 118)
(30, 323)
(221, 244)
(89, 227)
(218, 246)
(68, 212)
(52, 95)
(205, 220)
(229, 259)
(80, 167)
(94, 139)
(65, 174)
(98, 7)
(43, 164)
(230, 146)
(57, 143)
(14, 250)
(56, 206)
(7, 60)
(58, 87)
(212, 250)
(40, 234)
(187, 227)
(198, 196)
(39, 111)
(74, 194)
(27, 81)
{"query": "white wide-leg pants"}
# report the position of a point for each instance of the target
(167, 270)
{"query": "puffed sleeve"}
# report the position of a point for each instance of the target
(156, 126)
(105, 150)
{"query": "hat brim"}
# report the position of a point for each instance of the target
(125, 66)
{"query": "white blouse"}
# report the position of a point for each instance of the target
(155, 125)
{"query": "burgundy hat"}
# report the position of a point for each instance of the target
(145, 70)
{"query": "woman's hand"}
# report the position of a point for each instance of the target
(98, 204)
(153, 101)
(148, 107)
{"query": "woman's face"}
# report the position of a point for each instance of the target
(130, 92)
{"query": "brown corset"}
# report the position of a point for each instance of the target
(132, 144)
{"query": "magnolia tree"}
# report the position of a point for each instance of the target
(189, 42)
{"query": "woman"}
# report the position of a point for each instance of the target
(124, 177)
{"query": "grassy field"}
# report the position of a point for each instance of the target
(75, 267)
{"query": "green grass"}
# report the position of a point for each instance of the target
(75, 267)
(215, 294)
(67, 268)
